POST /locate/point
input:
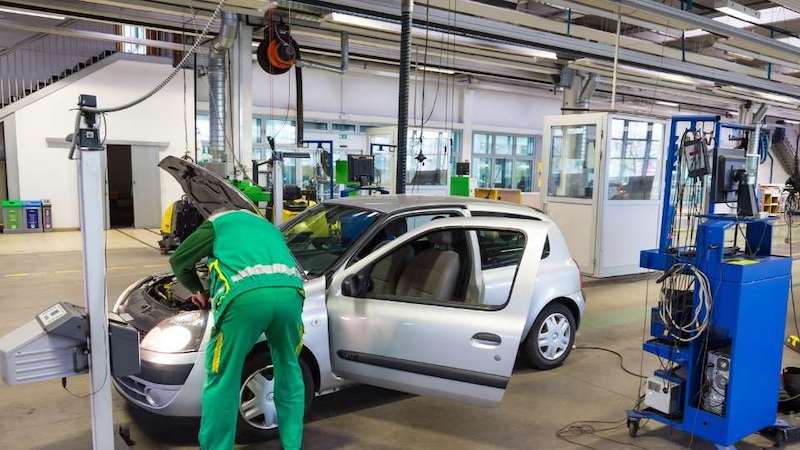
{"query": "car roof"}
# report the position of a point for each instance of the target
(393, 203)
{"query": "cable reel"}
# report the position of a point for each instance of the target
(278, 52)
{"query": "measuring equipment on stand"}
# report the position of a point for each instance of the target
(719, 375)
(65, 339)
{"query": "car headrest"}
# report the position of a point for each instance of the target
(442, 239)
(396, 228)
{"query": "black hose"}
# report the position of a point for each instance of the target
(402, 107)
(298, 76)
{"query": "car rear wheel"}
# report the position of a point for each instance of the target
(257, 418)
(550, 339)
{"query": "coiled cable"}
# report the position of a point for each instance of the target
(679, 278)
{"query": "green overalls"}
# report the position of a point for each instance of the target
(255, 288)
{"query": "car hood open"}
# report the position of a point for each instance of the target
(209, 192)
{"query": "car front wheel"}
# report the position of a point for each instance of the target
(551, 337)
(258, 418)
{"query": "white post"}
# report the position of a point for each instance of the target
(90, 194)
(277, 189)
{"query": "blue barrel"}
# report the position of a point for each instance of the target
(32, 214)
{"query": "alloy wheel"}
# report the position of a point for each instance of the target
(554, 336)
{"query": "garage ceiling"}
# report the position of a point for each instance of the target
(528, 41)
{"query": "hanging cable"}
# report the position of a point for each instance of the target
(682, 280)
(158, 87)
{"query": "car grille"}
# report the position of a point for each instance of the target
(132, 388)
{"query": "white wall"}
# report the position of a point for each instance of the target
(45, 172)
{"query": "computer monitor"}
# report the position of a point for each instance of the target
(361, 168)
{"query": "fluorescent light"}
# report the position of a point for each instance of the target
(663, 103)
(733, 113)
(791, 40)
(791, 122)
(25, 12)
(437, 70)
(737, 10)
(362, 22)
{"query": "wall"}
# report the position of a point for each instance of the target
(45, 172)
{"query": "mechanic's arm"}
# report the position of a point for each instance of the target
(196, 247)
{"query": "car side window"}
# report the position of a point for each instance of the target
(436, 268)
(399, 226)
(500, 248)
(545, 252)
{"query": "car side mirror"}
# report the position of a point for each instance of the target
(356, 285)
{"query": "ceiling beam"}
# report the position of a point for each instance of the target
(505, 26)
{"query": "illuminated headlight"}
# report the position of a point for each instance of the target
(178, 334)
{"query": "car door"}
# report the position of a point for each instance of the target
(452, 349)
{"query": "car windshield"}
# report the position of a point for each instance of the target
(323, 234)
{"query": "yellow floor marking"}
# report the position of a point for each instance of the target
(67, 271)
(154, 265)
(120, 267)
(17, 275)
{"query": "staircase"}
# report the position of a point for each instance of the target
(12, 91)
(783, 150)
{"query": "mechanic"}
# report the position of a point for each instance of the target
(255, 288)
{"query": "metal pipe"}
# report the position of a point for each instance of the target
(406, 14)
(216, 89)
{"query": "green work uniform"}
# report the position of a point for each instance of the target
(255, 288)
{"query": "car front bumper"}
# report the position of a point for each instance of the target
(169, 384)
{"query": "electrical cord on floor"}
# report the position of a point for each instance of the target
(579, 428)
(613, 352)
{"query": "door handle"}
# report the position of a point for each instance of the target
(487, 339)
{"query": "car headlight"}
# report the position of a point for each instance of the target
(178, 334)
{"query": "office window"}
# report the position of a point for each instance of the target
(504, 161)
(572, 161)
(634, 159)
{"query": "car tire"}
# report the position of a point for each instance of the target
(246, 430)
(549, 325)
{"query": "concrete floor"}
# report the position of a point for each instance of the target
(590, 386)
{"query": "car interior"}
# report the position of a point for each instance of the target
(436, 267)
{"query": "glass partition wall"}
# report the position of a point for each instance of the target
(603, 187)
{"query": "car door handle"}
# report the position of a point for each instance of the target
(487, 339)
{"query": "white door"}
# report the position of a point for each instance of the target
(572, 149)
(146, 187)
(419, 332)
(385, 157)
(631, 198)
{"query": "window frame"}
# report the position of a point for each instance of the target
(387, 219)
(447, 304)
(513, 157)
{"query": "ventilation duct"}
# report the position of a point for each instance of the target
(217, 93)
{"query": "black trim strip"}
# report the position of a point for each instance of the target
(432, 370)
(172, 374)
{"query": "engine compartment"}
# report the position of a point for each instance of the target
(157, 298)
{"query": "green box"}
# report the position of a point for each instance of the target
(12, 216)
(459, 186)
(341, 172)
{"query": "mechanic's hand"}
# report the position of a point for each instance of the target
(200, 299)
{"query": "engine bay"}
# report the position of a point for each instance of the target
(157, 298)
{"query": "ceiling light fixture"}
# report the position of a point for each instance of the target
(362, 22)
(791, 122)
(25, 12)
(663, 103)
(437, 70)
(737, 10)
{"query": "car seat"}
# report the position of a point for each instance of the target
(387, 271)
(433, 273)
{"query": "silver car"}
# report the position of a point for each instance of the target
(426, 295)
